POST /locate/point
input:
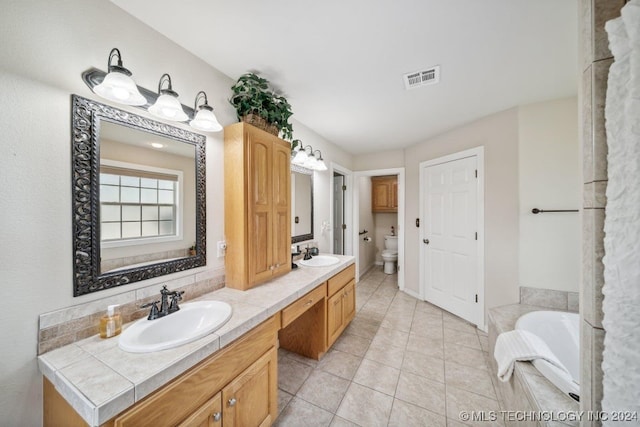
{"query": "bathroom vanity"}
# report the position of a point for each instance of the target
(226, 378)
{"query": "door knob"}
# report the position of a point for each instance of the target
(216, 417)
(425, 241)
(232, 401)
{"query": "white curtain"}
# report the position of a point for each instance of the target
(621, 306)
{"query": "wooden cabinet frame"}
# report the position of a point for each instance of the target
(384, 194)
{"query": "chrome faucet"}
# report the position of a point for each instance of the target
(166, 308)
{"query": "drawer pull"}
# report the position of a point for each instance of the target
(216, 417)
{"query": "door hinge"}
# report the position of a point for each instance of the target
(344, 226)
(476, 297)
(344, 188)
(476, 235)
(476, 173)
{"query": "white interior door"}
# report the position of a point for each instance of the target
(449, 236)
(338, 214)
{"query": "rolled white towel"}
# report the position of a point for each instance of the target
(519, 345)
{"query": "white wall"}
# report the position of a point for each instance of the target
(379, 160)
(366, 250)
(549, 177)
(498, 134)
(45, 48)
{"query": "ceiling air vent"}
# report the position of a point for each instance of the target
(422, 78)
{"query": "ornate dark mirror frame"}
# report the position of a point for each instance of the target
(86, 118)
(305, 171)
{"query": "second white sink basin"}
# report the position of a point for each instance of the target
(194, 320)
(319, 261)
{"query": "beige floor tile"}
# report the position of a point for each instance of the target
(341, 422)
(377, 376)
(365, 407)
(429, 346)
(391, 337)
(465, 356)
(469, 379)
(465, 339)
(484, 343)
(460, 400)
(340, 363)
(398, 321)
(425, 366)
(352, 344)
(363, 327)
(386, 354)
(298, 358)
(283, 399)
(422, 392)
(427, 325)
(291, 374)
(454, 322)
(426, 307)
(323, 390)
(405, 414)
(301, 413)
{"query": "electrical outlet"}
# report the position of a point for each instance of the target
(222, 248)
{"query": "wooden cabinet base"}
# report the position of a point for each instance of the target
(186, 395)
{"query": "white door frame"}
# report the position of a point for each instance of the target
(401, 229)
(348, 198)
(479, 153)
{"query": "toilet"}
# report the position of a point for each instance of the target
(390, 254)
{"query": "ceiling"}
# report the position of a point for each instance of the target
(340, 62)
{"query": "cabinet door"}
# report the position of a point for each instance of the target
(251, 400)
(394, 194)
(281, 207)
(260, 207)
(380, 195)
(335, 317)
(349, 305)
(208, 415)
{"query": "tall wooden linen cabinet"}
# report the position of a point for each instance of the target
(257, 206)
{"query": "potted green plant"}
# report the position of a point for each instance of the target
(256, 103)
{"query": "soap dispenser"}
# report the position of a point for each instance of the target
(111, 323)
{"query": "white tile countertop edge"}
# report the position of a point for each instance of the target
(98, 401)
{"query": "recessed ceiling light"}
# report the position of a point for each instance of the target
(156, 145)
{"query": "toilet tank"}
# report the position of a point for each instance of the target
(390, 242)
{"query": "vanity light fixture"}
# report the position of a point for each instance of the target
(117, 85)
(204, 119)
(167, 105)
(319, 164)
(301, 154)
(307, 160)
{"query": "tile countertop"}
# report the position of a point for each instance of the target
(99, 380)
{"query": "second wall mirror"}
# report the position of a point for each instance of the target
(301, 204)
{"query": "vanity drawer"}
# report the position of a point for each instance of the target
(338, 281)
(293, 311)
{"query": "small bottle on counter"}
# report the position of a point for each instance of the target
(111, 323)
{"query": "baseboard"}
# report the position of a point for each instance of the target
(379, 263)
(412, 293)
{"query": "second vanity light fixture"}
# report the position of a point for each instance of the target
(309, 161)
(118, 86)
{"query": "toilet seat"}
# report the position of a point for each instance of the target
(389, 252)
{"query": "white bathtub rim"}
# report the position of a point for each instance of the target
(563, 380)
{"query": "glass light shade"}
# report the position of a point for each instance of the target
(311, 162)
(206, 121)
(119, 87)
(168, 107)
(300, 158)
(320, 166)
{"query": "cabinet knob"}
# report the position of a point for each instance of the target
(216, 417)
(232, 401)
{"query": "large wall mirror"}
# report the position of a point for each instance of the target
(138, 197)
(301, 204)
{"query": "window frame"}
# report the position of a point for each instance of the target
(136, 241)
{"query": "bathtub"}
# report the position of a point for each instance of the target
(561, 332)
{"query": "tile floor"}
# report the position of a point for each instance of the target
(401, 362)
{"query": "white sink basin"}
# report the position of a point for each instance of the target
(194, 320)
(319, 261)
